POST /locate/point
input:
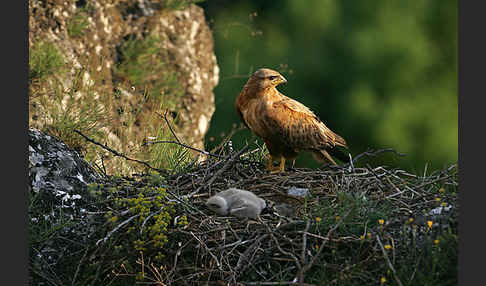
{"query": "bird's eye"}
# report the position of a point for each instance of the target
(273, 77)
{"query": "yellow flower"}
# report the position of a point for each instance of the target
(362, 237)
(441, 190)
(436, 241)
(383, 280)
(381, 221)
(444, 204)
(316, 247)
(338, 217)
(437, 199)
(387, 246)
(411, 219)
(318, 219)
(429, 223)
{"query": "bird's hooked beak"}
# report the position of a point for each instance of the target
(280, 80)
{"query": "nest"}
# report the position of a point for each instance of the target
(339, 232)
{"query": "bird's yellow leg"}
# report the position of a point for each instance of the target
(270, 162)
(281, 167)
(282, 164)
(270, 166)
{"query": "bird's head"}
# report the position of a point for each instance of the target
(266, 78)
(218, 205)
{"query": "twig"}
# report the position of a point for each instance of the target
(148, 217)
(376, 176)
(207, 249)
(185, 146)
(168, 124)
(183, 202)
(296, 261)
(228, 137)
(116, 153)
(390, 265)
(228, 164)
(81, 261)
(321, 247)
(278, 283)
(178, 141)
(304, 242)
(370, 152)
(116, 229)
(433, 181)
(243, 260)
(415, 269)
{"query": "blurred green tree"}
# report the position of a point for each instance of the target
(383, 74)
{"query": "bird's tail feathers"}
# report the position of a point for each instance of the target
(325, 155)
(341, 153)
(339, 141)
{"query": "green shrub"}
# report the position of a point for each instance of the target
(44, 60)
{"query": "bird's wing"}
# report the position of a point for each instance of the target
(239, 205)
(245, 207)
(238, 201)
(239, 105)
(301, 127)
(240, 114)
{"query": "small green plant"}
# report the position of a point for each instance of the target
(152, 213)
(171, 157)
(142, 64)
(44, 59)
(63, 111)
(78, 24)
(355, 212)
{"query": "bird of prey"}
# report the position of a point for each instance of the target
(286, 126)
(236, 202)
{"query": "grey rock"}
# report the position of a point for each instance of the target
(298, 192)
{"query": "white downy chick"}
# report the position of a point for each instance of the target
(236, 202)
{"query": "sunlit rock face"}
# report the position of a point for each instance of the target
(90, 36)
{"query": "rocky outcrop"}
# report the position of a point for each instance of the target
(55, 167)
(59, 201)
(132, 60)
(189, 41)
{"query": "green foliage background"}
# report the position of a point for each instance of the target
(383, 74)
